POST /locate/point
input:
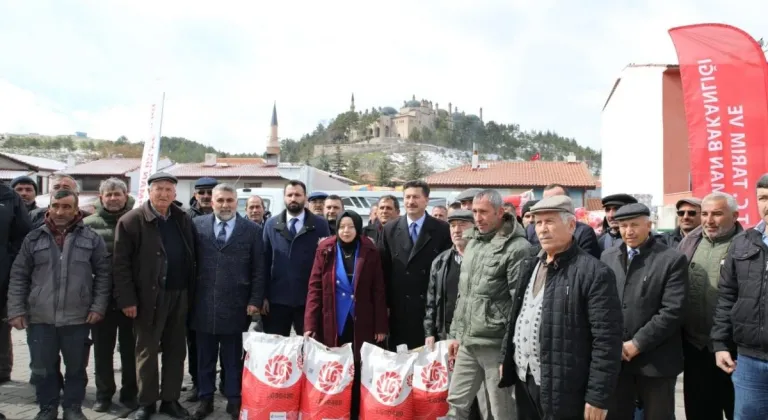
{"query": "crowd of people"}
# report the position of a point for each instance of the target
(544, 318)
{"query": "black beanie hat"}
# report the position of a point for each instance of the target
(24, 180)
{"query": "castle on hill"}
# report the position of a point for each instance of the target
(413, 115)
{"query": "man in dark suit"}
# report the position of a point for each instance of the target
(290, 242)
(408, 246)
(230, 285)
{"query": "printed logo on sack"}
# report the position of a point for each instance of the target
(300, 361)
(409, 380)
(451, 364)
(330, 376)
(278, 370)
(352, 370)
(434, 376)
(389, 386)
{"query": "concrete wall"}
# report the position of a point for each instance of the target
(632, 134)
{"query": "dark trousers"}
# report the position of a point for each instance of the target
(282, 317)
(46, 342)
(115, 327)
(167, 333)
(348, 336)
(528, 401)
(707, 390)
(6, 346)
(227, 347)
(192, 357)
(657, 395)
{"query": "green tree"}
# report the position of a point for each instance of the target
(323, 163)
(414, 168)
(384, 171)
(338, 161)
(353, 168)
(415, 135)
(122, 140)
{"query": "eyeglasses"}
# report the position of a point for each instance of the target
(204, 192)
(691, 213)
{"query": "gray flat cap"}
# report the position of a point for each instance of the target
(463, 215)
(162, 176)
(558, 203)
(630, 211)
(468, 194)
(690, 200)
(618, 200)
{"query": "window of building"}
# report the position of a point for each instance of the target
(90, 184)
(252, 185)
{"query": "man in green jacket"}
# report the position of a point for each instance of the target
(489, 276)
(114, 202)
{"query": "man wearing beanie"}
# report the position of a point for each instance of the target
(26, 187)
(526, 214)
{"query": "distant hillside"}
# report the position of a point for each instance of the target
(494, 141)
(178, 149)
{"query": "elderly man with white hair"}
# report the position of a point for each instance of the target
(707, 390)
(652, 281)
(563, 345)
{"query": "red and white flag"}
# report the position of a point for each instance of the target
(151, 151)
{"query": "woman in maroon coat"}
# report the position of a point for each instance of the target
(346, 299)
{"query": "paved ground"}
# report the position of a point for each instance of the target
(17, 397)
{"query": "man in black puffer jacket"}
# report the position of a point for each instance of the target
(563, 344)
(741, 317)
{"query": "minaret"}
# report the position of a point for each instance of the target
(273, 145)
(352, 104)
(481, 114)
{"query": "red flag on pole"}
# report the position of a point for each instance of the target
(537, 156)
(725, 92)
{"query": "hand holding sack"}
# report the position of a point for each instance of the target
(386, 380)
(329, 373)
(272, 376)
(431, 377)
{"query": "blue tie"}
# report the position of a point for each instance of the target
(631, 253)
(221, 238)
(292, 228)
(414, 232)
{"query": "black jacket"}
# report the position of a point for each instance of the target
(435, 318)
(406, 275)
(580, 335)
(14, 226)
(741, 316)
(652, 291)
(672, 238)
(584, 234)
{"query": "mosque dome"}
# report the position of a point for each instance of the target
(413, 103)
(388, 110)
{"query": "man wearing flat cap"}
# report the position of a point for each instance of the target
(562, 350)
(200, 203)
(316, 203)
(465, 198)
(154, 277)
(688, 219)
(584, 234)
(611, 236)
(443, 290)
(652, 281)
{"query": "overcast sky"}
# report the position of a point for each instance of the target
(95, 66)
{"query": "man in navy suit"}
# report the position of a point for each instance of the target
(230, 286)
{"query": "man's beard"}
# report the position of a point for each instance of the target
(225, 217)
(294, 208)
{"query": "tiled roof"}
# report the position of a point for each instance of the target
(594, 204)
(516, 174)
(10, 174)
(241, 161)
(38, 162)
(112, 166)
(197, 170)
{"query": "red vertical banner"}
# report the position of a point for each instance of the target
(725, 92)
